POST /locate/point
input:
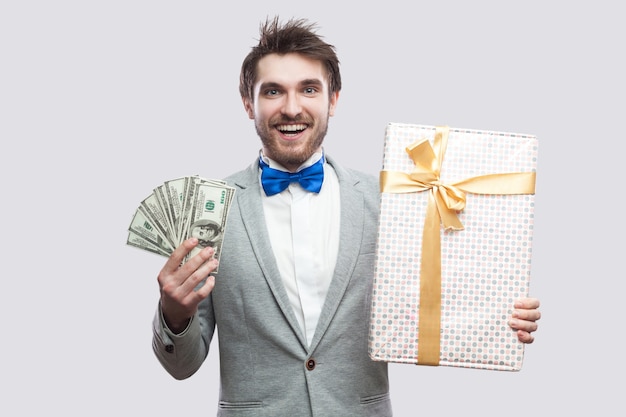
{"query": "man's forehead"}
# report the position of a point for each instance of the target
(290, 68)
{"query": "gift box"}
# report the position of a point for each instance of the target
(454, 246)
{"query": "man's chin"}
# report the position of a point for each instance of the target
(291, 156)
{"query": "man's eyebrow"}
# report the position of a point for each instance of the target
(274, 85)
(312, 81)
(269, 85)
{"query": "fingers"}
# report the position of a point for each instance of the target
(524, 329)
(527, 309)
(527, 326)
(175, 274)
(181, 291)
(176, 258)
(528, 315)
(186, 298)
(527, 303)
(205, 267)
(524, 319)
(525, 337)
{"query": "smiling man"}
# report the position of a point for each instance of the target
(292, 296)
(290, 106)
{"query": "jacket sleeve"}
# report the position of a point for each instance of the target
(182, 354)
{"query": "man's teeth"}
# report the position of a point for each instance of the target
(291, 128)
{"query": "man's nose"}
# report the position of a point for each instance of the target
(292, 106)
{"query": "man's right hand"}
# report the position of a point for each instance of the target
(179, 297)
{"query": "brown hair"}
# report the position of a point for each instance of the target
(294, 36)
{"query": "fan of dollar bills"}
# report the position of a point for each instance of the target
(179, 209)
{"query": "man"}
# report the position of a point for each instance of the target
(291, 299)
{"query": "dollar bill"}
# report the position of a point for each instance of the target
(141, 243)
(206, 220)
(142, 226)
(170, 195)
(178, 209)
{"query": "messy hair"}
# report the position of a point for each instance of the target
(294, 36)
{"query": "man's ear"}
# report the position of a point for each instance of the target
(248, 105)
(334, 97)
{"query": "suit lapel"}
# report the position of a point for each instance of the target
(251, 209)
(351, 224)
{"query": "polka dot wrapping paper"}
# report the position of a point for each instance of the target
(485, 266)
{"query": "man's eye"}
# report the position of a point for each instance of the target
(271, 92)
(310, 90)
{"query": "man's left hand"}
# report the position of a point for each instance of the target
(524, 319)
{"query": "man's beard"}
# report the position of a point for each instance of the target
(290, 157)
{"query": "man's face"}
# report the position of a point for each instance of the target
(291, 107)
(203, 232)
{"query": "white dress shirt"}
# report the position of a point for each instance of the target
(304, 233)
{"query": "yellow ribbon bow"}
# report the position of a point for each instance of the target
(444, 202)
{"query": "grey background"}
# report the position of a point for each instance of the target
(101, 101)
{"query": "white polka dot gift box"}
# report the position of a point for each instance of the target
(454, 246)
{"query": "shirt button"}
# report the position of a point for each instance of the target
(310, 364)
(169, 348)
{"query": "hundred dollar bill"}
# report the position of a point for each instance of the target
(188, 200)
(141, 243)
(156, 214)
(207, 215)
(185, 207)
(143, 227)
(186, 203)
(170, 196)
(165, 208)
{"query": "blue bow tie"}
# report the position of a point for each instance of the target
(274, 181)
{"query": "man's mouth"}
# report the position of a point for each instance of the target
(292, 130)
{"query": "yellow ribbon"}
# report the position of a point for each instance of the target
(444, 202)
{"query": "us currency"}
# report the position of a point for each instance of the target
(144, 234)
(170, 195)
(152, 208)
(188, 201)
(206, 219)
(184, 207)
(139, 242)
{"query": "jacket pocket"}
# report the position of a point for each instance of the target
(377, 405)
(240, 409)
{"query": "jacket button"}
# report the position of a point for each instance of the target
(310, 364)
(169, 348)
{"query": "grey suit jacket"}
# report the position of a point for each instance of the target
(266, 366)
